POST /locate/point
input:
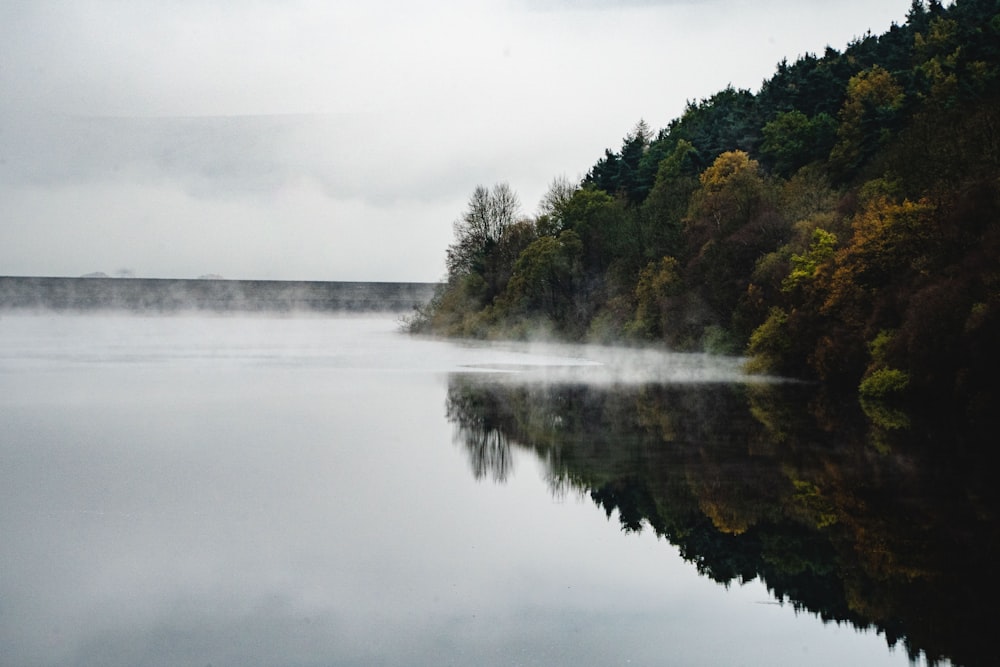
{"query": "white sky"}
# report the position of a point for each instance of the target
(324, 140)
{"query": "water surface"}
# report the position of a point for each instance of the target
(262, 490)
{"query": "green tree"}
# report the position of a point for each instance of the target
(793, 140)
(598, 219)
(727, 121)
(544, 282)
(662, 214)
(656, 293)
(625, 173)
(804, 266)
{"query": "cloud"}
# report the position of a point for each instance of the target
(370, 157)
(296, 233)
(608, 5)
(388, 112)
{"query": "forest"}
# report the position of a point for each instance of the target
(841, 225)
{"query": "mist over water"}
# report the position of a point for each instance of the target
(297, 490)
(158, 295)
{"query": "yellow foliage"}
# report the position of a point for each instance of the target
(938, 40)
(872, 87)
(726, 518)
(732, 189)
(726, 167)
(889, 239)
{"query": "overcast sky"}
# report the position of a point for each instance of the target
(325, 140)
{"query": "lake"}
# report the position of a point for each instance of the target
(199, 489)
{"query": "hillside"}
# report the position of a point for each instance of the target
(840, 224)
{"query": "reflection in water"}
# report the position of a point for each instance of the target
(880, 521)
(480, 432)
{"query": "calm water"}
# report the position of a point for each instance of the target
(196, 490)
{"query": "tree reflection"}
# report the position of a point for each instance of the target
(477, 427)
(889, 525)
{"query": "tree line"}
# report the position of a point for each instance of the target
(841, 224)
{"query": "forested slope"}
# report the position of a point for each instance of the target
(840, 224)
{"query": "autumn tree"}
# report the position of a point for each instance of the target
(866, 120)
(731, 222)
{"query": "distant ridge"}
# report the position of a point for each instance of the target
(174, 295)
